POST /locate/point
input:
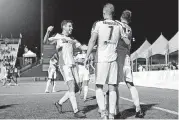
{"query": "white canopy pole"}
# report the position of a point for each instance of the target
(146, 64)
(166, 58)
(151, 64)
(136, 65)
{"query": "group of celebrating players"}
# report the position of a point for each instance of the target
(112, 63)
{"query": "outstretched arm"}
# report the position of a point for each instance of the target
(127, 39)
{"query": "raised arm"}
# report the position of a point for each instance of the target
(49, 30)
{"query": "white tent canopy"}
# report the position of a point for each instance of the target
(29, 54)
(173, 43)
(158, 47)
(143, 47)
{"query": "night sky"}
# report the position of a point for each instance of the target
(149, 18)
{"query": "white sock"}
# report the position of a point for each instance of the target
(112, 104)
(48, 84)
(64, 98)
(73, 101)
(54, 84)
(135, 97)
(100, 99)
(85, 92)
(117, 102)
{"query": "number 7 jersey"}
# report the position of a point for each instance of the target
(108, 32)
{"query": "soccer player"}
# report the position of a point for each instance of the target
(83, 72)
(107, 34)
(10, 75)
(124, 62)
(16, 74)
(52, 73)
(4, 74)
(64, 46)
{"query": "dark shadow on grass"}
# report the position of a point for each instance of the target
(91, 98)
(88, 108)
(6, 106)
(61, 90)
(131, 111)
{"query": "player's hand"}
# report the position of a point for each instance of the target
(106, 42)
(64, 40)
(80, 86)
(71, 42)
(86, 63)
(50, 28)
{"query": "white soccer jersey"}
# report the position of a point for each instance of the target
(52, 64)
(108, 35)
(80, 56)
(3, 72)
(66, 48)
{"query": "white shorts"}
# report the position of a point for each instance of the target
(52, 73)
(125, 71)
(106, 73)
(83, 73)
(70, 73)
(3, 77)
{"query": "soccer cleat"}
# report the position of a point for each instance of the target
(111, 116)
(79, 114)
(9, 84)
(84, 99)
(117, 116)
(139, 114)
(59, 107)
(54, 91)
(99, 111)
(46, 91)
(104, 115)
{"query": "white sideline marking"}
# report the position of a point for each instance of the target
(32, 94)
(158, 108)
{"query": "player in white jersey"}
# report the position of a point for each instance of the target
(83, 72)
(64, 46)
(52, 75)
(124, 62)
(107, 34)
(3, 75)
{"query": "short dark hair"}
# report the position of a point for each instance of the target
(127, 14)
(64, 22)
(109, 8)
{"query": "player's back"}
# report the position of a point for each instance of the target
(108, 36)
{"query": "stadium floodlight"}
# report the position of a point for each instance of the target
(41, 27)
(133, 39)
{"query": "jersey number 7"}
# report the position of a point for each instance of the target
(111, 31)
